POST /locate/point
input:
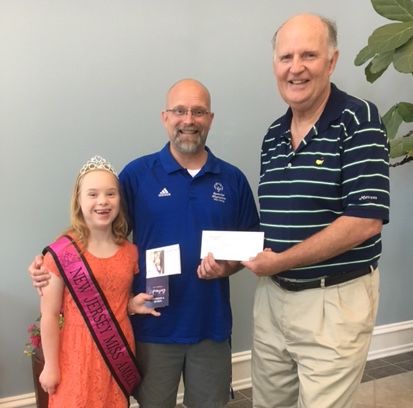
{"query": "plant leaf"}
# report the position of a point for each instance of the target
(402, 146)
(400, 10)
(403, 58)
(390, 36)
(405, 110)
(381, 61)
(364, 55)
(392, 121)
(372, 76)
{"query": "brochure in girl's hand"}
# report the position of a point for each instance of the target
(159, 288)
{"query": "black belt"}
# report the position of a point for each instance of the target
(324, 281)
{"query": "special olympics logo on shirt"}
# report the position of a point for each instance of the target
(218, 187)
(218, 195)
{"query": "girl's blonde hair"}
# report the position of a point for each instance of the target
(78, 225)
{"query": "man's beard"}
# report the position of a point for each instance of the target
(194, 145)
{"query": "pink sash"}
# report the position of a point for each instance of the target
(95, 309)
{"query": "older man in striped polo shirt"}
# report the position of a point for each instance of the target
(324, 196)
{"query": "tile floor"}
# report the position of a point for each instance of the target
(387, 383)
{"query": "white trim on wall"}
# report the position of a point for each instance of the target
(391, 339)
(388, 340)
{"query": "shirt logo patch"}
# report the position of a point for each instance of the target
(367, 197)
(320, 161)
(164, 193)
(218, 194)
(218, 187)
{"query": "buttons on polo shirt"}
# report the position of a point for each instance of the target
(289, 165)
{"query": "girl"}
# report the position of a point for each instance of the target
(90, 361)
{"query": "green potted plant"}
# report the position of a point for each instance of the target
(392, 43)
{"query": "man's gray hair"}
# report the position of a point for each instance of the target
(331, 28)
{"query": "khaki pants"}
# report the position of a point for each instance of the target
(310, 347)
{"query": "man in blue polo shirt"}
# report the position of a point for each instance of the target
(324, 196)
(173, 195)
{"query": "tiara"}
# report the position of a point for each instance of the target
(97, 163)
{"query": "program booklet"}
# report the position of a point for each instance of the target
(159, 288)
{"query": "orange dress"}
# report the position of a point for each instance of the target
(86, 382)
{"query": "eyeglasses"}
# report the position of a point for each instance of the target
(181, 111)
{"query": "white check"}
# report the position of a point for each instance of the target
(232, 245)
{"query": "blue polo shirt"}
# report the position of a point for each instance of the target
(340, 168)
(168, 206)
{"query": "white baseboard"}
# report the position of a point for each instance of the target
(23, 400)
(388, 340)
(391, 339)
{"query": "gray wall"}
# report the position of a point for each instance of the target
(79, 78)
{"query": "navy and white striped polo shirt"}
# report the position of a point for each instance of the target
(340, 168)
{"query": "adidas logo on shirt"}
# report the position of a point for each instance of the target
(164, 193)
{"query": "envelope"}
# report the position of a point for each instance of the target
(232, 245)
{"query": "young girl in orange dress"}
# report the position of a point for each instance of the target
(89, 362)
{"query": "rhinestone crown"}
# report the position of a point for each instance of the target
(97, 163)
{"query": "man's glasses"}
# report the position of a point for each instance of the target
(181, 111)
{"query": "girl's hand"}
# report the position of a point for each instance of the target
(136, 304)
(49, 379)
